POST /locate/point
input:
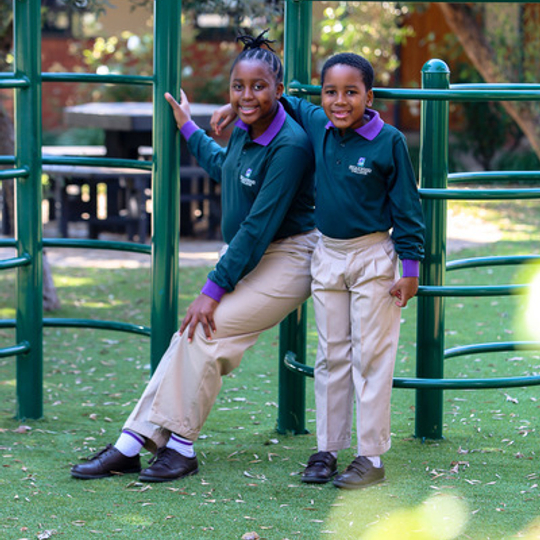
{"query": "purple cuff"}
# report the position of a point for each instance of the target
(213, 290)
(411, 268)
(188, 129)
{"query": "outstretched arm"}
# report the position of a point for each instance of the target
(181, 111)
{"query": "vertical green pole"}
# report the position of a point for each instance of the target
(430, 327)
(27, 40)
(292, 335)
(165, 178)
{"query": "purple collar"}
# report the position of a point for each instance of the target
(273, 129)
(369, 130)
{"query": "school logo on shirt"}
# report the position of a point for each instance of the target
(245, 178)
(360, 167)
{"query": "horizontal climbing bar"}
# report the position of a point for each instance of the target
(110, 78)
(466, 384)
(15, 262)
(479, 290)
(97, 162)
(98, 325)
(480, 194)
(8, 174)
(422, 94)
(291, 363)
(494, 176)
(500, 346)
(9, 80)
(477, 262)
(97, 244)
(15, 350)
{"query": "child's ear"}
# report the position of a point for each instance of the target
(370, 98)
(280, 88)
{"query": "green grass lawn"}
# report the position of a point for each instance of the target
(487, 464)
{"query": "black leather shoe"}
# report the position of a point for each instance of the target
(320, 468)
(107, 462)
(359, 474)
(169, 465)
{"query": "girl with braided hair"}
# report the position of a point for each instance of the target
(266, 177)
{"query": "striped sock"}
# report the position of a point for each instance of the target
(181, 445)
(129, 443)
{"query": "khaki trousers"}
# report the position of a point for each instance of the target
(186, 383)
(358, 326)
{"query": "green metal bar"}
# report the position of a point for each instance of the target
(478, 262)
(98, 325)
(27, 62)
(15, 350)
(166, 175)
(15, 262)
(98, 162)
(292, 331)
(485, 94)
(291, 363)
(493, 176)
(10, 80)
(430, 325)
(499, 346)
(96, 78)
(479, 194)
(479, 290)
(465, 384)
(8, 174)
(133, 247)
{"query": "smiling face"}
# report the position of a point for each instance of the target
(254, 94)
(344, 97)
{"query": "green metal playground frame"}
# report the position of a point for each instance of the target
(25, 166)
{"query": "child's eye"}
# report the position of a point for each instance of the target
(236, 87)
(330, 92)
(258, 87)
(351, 92)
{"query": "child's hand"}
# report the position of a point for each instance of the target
(182, 112)
(201, 311)
(404, 289)
(222, 118)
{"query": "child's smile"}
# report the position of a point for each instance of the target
(344, 97)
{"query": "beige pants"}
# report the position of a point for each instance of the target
(185, 385)
(358, 326)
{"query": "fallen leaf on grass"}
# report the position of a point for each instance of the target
(23, 429)
(250, 536)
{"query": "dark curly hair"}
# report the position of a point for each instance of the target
(259, 48)
(353, 60)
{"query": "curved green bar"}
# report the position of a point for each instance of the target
(98, 325)
(473, 290)
(493, 176)
(97, 244)
(479, 194)
(10, 81)
(8, 174)
(478, 262)
(423, 94)
(15, 350)
(96, 78)
(466, 384)
(15, 262)
(98, 162)
(289, 360)
(492, 347)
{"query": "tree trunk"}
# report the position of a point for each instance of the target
(469, 31)
(50, 296)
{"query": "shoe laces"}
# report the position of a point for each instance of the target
(100, 453)
(161, 452)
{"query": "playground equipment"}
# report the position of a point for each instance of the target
(25, 166)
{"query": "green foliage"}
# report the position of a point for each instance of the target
(372, 29)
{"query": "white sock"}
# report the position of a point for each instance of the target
(376, 460)
(129, 443)
(181, 445)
